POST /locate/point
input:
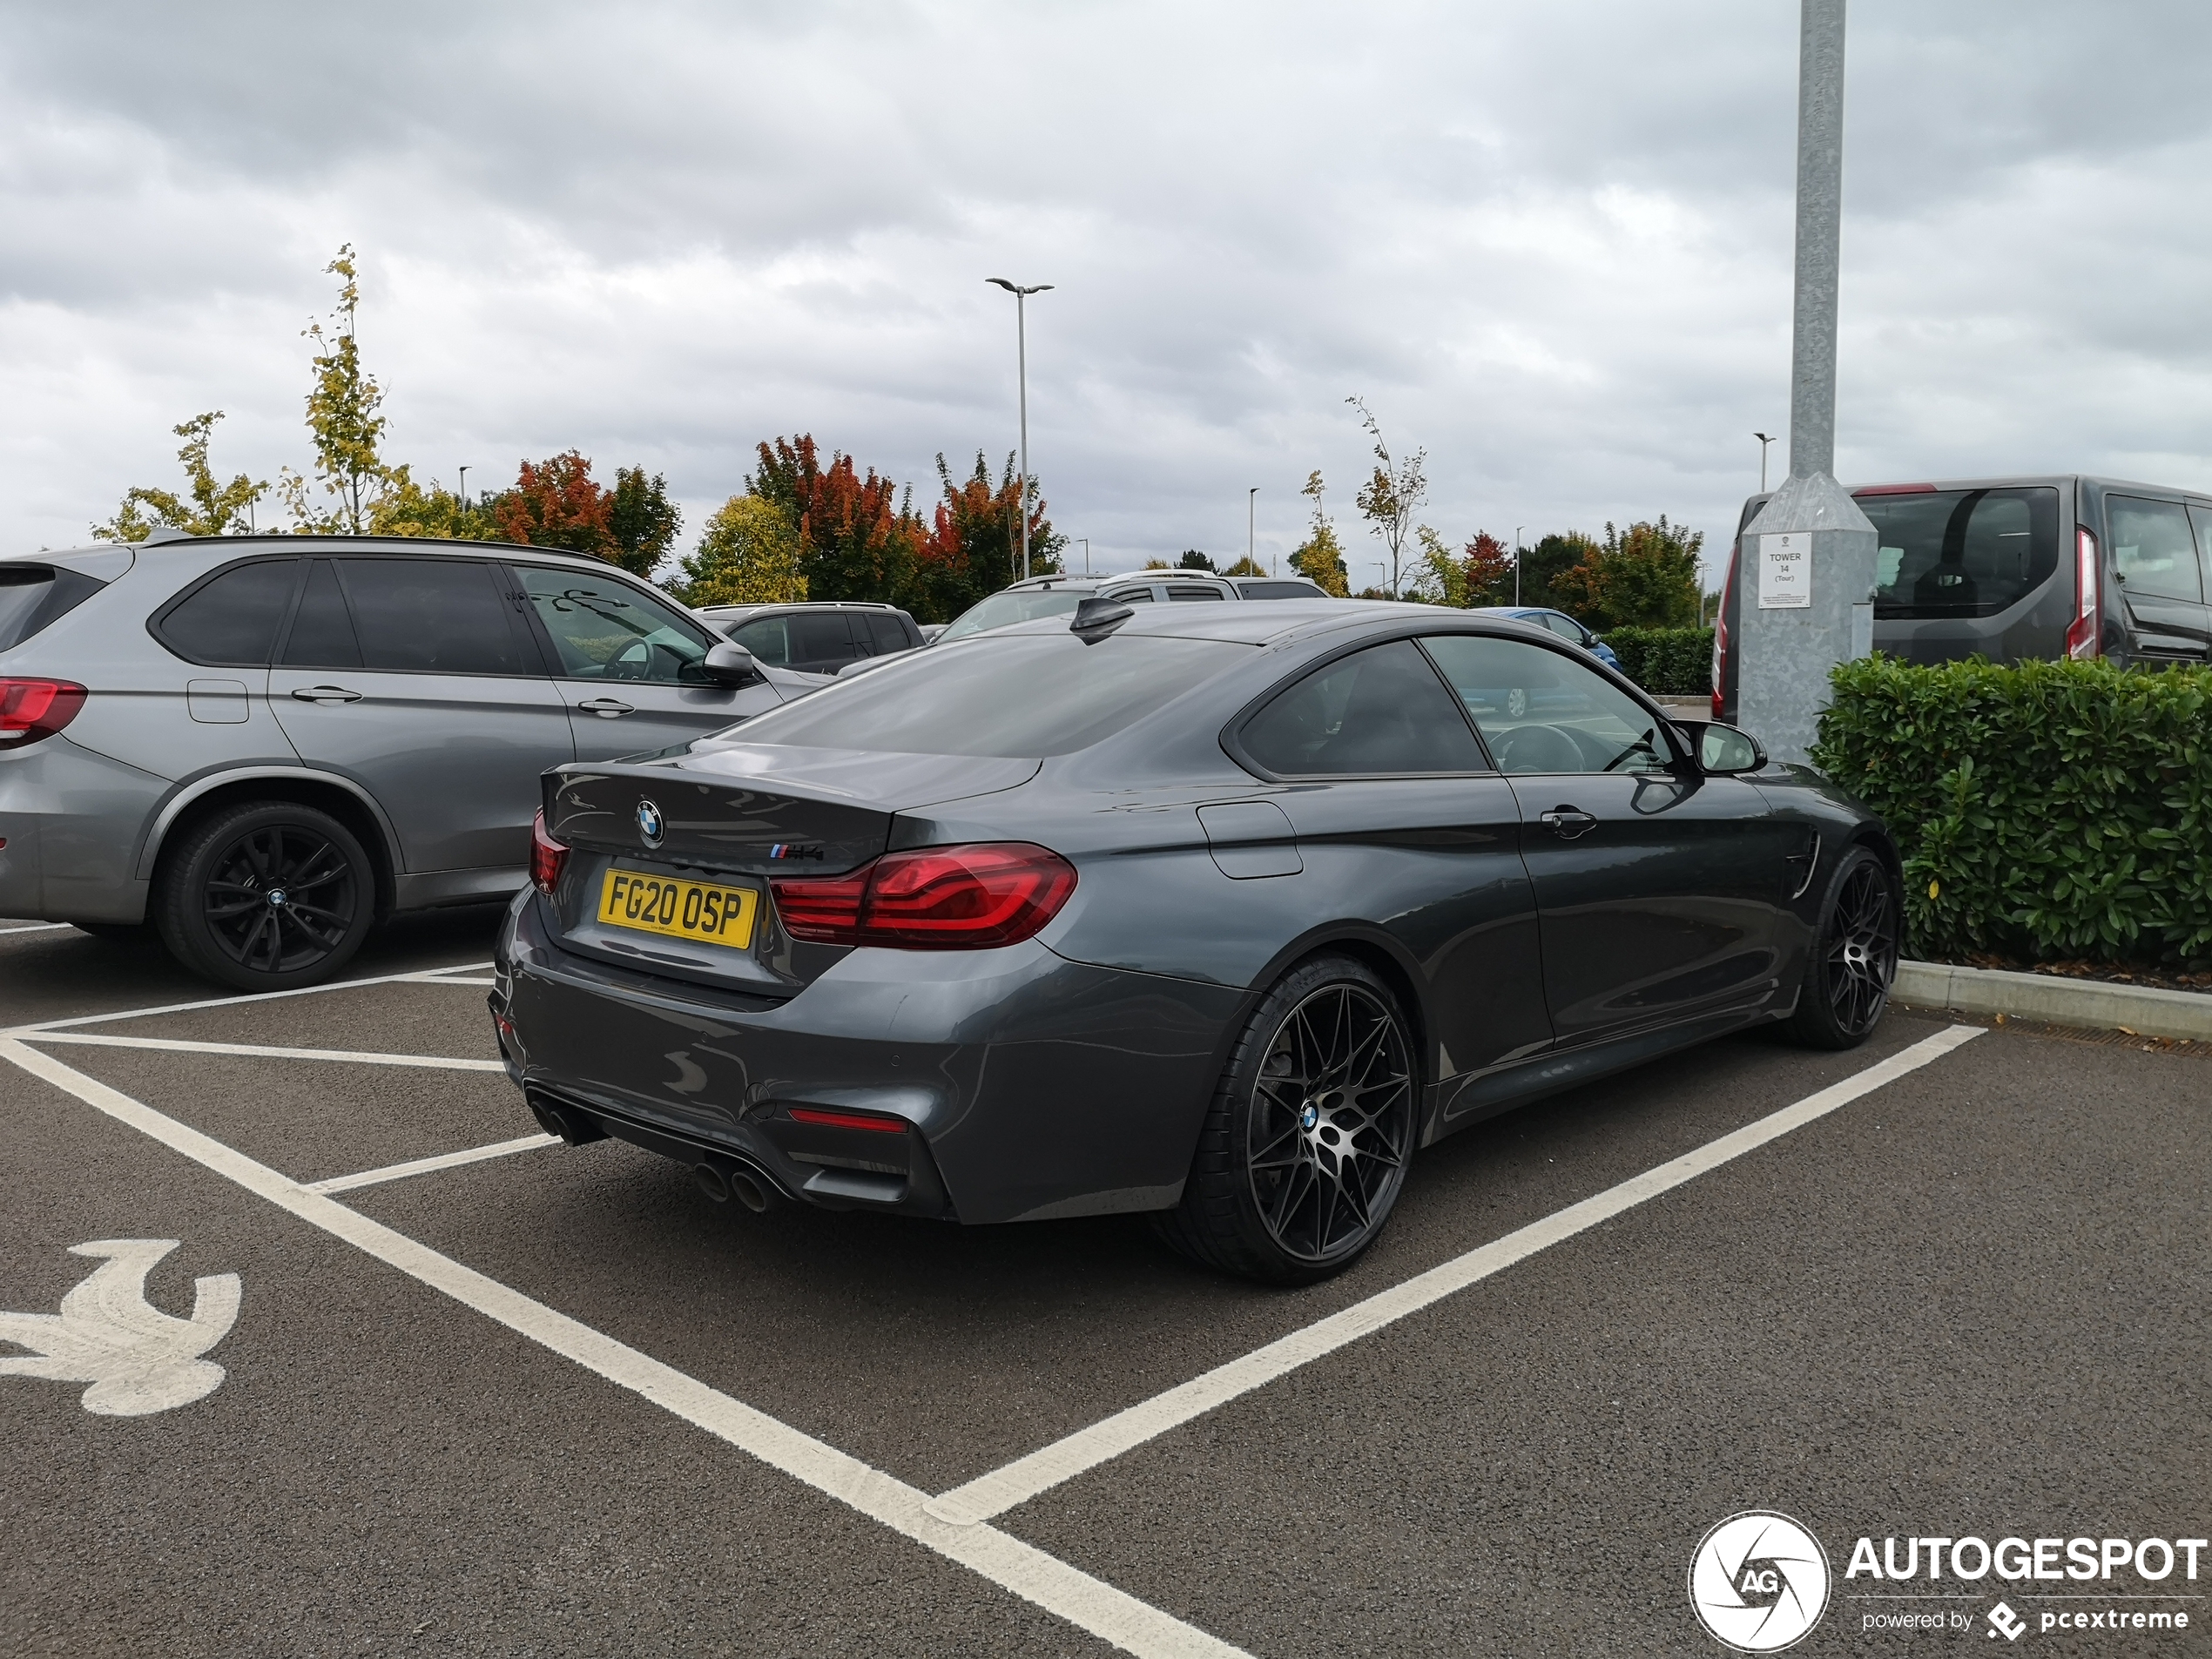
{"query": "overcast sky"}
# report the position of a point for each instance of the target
(1551, 244)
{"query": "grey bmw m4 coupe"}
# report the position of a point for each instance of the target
(1217, 912)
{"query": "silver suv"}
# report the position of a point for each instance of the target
(262, 746)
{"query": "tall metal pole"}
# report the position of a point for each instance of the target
(1516, 564)
(1763, 442)
(1022, 357)
(1251, 508)
(1820, 218)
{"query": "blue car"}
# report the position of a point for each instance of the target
(1518, 700)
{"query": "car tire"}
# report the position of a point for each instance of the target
(1516, 701)
(1853, 961)
(1300, 1162)
(212, 901)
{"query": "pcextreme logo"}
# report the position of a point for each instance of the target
(1759, 1582)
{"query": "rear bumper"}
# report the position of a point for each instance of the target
(1031, 1086)
(70, 818)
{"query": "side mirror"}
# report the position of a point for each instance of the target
(728, 664)
(1722, 750)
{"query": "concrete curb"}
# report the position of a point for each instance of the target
(2097, 1004)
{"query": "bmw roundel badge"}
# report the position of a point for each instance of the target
(648, 822)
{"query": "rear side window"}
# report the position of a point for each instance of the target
(232, 620)
(1962, 552)
(2152, 548)
(889, 634)
(322, 632)
(1132, 597)
(1023, 696)
(767, 639)
(32, 596)
(1281, 590)
(1381, 712)
(431, 616)
(1195, 593)
(820, 639)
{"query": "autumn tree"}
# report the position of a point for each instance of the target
(1645, 576)
(556, 503)
(857, 536)
(643, 521)
(972, 547)
(207, 507)
(1245, 566)
(1543, 563)
(405, 508)
(1320, 558)
(749, 554)
(343, 421)
(1392, 495)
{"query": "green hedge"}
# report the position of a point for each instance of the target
(1667, 662)
(2049, 810)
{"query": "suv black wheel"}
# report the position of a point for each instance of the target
(266, 895)
(1304, 1150)
(1854, 957)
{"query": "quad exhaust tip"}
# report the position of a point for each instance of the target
(722, 1184)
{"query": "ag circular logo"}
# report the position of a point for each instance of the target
(1759, 1582)
(648, 822)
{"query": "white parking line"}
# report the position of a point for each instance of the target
(35, 928)
(1091, 1604)
(180, 1045)
(426, 1166)
(427, 976)
(1017, 1482)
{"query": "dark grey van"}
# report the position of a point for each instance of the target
(2019, 568)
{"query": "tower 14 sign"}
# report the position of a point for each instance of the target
(1785, 571)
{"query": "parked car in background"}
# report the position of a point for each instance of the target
(816, 638)
(2039, 566)
(1275, 587)
(1212, 912)
(1560, 623)
(261, 745)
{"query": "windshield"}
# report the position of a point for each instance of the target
(1004, 609)
(1025, 698)
(1961, 552)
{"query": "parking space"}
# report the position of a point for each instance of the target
(555, 1400)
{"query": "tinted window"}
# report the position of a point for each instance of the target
(1565, 627)
(1378, 712)
(1281, 590)
(2201, 518)
(1029, 696)
(31, 595)
(1961, 552)
(232, 620)
(1132, 597)
(889, 634)
(1002, 610)
(820, 639)
(767, 639)
(606, 629)
(322, 632)
(1542, 711)
(2152, 548)
(431, 616)
(1195, 593)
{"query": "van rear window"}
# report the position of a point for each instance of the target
(32, 596)
(1962, 552)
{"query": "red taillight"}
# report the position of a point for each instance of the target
(932, 898)
(2084, 634)
(1720, 636)
(849, 1120)
(30, 710)
(547, 856)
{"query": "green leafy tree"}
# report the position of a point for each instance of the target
(749, 554)
(207, 507)
(643, 521)
(1320, 558)
(1392, 495)
(1245, 566)
(1540, 566)
(404, 507)
(1193, 560)
(1645, 576)
(342, 420)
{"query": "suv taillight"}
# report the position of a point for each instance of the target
(932, 898)
(30, 710)
(2084, 634)
(547, 856)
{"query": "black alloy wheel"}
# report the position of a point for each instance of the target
(1304, 1151)
(1854, 958)
(266, 896)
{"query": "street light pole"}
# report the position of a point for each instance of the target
(1763, 442)
(462, 494)
(1516, 564)
(1086, 541)
(1252, 507)
(1022, 358)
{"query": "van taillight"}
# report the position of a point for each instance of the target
(932, 898)
(547, 856)
(2084, 634)
(1720, 635)
(30, 709)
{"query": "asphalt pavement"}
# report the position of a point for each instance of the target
(556, 1401)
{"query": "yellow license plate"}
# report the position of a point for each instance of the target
(679, 908)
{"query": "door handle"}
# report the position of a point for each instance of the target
(607, 708)
(326, 694)
(1567, 822)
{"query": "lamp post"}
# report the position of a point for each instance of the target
(1022, 358)
(462, 494)
(1086, 541)
(1763, 442)
(1252, 507)
(1516, 564)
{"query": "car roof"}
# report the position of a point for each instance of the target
(793, 604)
(266, 540)
(1281, 621)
